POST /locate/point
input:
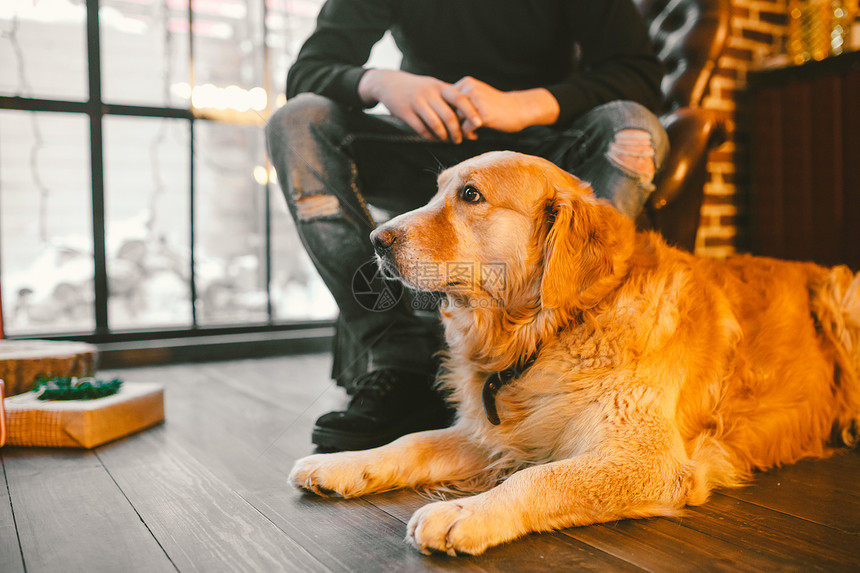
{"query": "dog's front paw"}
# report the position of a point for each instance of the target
(458, 526)
(342, 474)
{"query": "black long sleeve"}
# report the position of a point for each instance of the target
(510, 44)
(330, 62)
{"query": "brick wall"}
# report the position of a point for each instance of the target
(758, 36)
(758, 28)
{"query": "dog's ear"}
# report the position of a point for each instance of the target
(587, 246)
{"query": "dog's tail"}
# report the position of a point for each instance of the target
(836, 304)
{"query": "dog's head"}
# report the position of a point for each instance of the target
(510, 227)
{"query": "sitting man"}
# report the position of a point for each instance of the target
(573, 81)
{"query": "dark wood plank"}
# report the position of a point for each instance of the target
(537, 552)
(549, 552)
(11, 560)
(401, 504)
(293, 394)
(746, 530)
(71, 516)
(272, 402)
(235, 434)
(823, 475)
(238, 432)
(245, 422)
(765, 531)
(202, 524)
(814, 490)
(297, 382)
(347, 535)
(250, 440)
(658, 544)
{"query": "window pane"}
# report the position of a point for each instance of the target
(147, 206)
(46, 223)
(228, 59)
(230, 230)
(298, 292)
(144, 50)
(289, 23)
(43, 50)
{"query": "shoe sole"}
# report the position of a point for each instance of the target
(339, 440)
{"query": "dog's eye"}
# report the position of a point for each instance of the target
(471, 195)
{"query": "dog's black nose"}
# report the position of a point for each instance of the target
(383, 239)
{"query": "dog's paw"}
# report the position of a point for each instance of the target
(341, 474)
(452, 527)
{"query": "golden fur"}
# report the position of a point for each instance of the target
(659, 375)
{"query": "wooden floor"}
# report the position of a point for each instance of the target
(207, 491)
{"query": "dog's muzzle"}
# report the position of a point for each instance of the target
(383, 240)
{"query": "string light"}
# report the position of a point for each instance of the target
(261, 175)
(209, 96)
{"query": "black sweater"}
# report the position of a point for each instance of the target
(509, 44)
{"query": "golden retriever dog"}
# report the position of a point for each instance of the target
(607, 375)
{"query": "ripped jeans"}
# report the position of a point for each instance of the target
(343, 171)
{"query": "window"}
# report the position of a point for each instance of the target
(46, 223)
(43, 49)
(134, 187)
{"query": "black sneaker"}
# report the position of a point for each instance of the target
(386, 404)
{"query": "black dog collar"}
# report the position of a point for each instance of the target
(496, 381)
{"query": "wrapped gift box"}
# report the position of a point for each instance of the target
(83, 423)
(22, 362)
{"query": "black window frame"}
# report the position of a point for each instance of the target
(96, 109)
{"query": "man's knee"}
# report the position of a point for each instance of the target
(636, 142)
(298, 136)
(632, 150)
(296, 118)
(318, 206)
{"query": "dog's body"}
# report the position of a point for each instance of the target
(643, 375)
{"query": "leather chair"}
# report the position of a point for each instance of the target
(688, 36)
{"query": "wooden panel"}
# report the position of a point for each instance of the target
(248, 432)
(536, 552)
(825, 476)
(797, 189)
(10, 551)
(659, 544)
(400, 504)
(208, 489)
(71, 515)
(767, 202)
(201, 523)
(851, 161)
(248, 421)
(804, 127)
(826, 189)
(780, 536)
(808, 490)
(552, 552)
(346, 535)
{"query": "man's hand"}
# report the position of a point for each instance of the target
(478, 104)
(417, 100)
(441, 111)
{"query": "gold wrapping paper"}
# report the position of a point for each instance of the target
(2, 414)
(83, 423)
(22, 362)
